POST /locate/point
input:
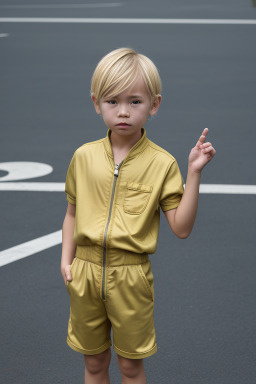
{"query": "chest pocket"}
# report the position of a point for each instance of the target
(136, 198)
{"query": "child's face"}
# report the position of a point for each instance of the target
(126, 113)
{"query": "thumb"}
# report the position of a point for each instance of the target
(68, 273)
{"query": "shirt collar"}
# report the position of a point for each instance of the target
(135, 150)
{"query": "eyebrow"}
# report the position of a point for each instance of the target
(129, 97)
(135, 97)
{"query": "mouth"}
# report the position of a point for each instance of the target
(122, 125)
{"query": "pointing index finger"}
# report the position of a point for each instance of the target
(202, 137)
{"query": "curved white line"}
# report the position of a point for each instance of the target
(22, 170)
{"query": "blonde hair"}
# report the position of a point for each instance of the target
(118, 69)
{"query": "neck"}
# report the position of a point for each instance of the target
(124, 142)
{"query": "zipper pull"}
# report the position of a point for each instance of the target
(116, 170)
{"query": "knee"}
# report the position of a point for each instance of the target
(97, 363)
(130, 368)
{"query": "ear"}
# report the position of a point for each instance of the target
(96, 105)
(155, 106)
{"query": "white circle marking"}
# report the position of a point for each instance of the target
(22, 170)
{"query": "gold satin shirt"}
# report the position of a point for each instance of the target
(118, 206)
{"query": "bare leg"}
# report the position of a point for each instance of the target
(132, 370)
(96, 368)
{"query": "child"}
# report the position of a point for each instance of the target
(114, 189)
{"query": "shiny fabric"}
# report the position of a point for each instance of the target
(128, 307)
(116, 227)
(149, 177)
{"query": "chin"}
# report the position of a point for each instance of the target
(123, 131)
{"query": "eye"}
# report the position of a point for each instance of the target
(112, 102)
(136, 102)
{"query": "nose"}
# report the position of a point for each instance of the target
(123, 111)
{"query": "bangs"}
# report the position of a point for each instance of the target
(118, 79)
(117, 71)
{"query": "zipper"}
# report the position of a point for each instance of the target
(116, 173)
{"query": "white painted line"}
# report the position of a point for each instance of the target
(34, 246)
(36, 187)
(29, 248)
(124, 20)
(60, 187)
(22, 170)
(4, 35)
(228, 189)
(60, 6)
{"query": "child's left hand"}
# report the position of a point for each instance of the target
(201, 154)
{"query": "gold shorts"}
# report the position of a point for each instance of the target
(118, 295)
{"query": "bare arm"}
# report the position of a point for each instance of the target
(68, 244)
(181, 219)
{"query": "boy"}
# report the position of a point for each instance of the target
(114, 188)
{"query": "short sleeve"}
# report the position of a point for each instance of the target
(172, 189)
(70, 185)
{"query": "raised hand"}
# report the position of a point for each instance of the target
(201, 154)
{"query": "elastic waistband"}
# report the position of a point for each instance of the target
(114, 257)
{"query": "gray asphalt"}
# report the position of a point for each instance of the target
(205, 312)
